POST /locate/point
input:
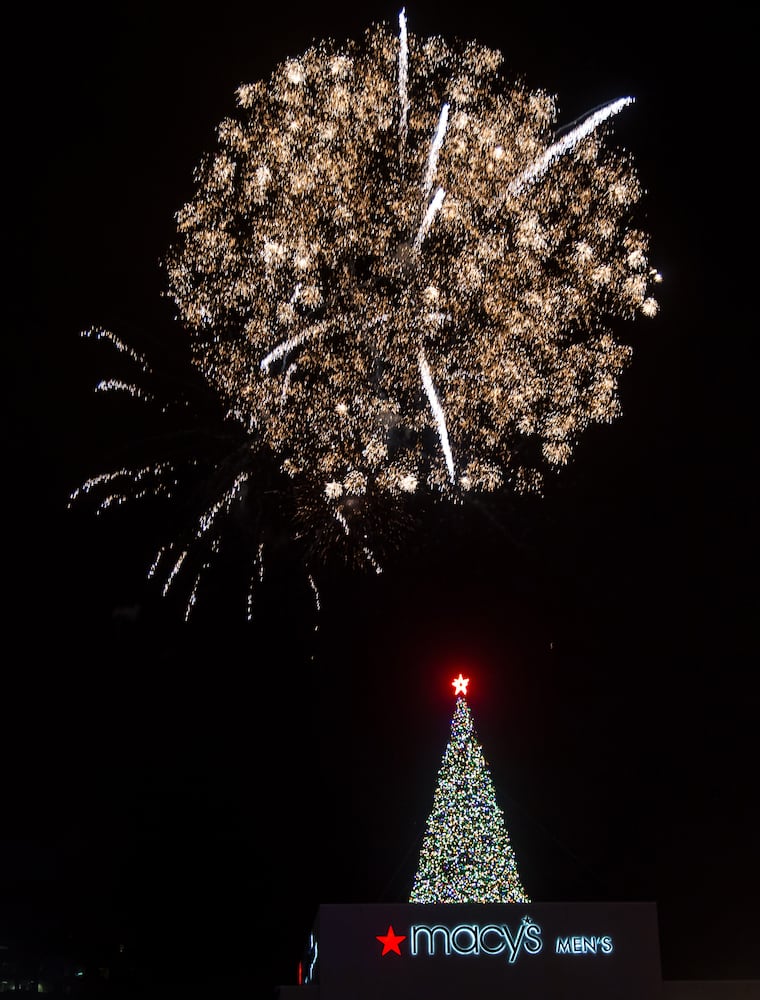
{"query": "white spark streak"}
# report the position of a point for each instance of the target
(403, 76)
(316, 592)
(370, 557)
(206, 520)
(99, 334)
(286, 381)
(566, 143)
(432, 163)
(121, 498)
(193, 598)
(433, 209)
(174, 572)
(373, 562)
(134, 475)
(440, 417)
(249, 600)
(437, 318)
(154, 565)
(116, 385)
(287, 345)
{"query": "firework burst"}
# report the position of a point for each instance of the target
(398, 278)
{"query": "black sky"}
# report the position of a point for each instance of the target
(200, 789)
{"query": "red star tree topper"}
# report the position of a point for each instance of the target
(460, 684)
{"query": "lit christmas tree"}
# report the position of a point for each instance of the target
(466, 854)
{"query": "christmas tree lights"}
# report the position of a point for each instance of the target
(466, 855)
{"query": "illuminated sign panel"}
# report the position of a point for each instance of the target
(524, 951)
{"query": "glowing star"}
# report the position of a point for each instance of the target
(460, 684)
(391, 940)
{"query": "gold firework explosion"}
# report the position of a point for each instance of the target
(399, 277)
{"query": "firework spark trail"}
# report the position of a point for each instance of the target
(440, 417)
(176, 568)
(97, 333)
(286, 381)
(154, 565)
(135, 476)
(566, 143)
(403, 76)
(287, 346)
(371, 560)
(435, 148)
(342, 521)
(193, 598)
(116, 499)
(258, 561)
(432, 210)
(313, 586)
(206, 521)
(116, 385)
(338, 515)
(437, 318)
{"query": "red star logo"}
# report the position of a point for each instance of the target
(460, 684)
(391, 940)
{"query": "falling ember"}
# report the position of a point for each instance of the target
(392, 258)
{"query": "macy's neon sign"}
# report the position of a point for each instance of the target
(474, 939)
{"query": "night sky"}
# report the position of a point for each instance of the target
(196, 790)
